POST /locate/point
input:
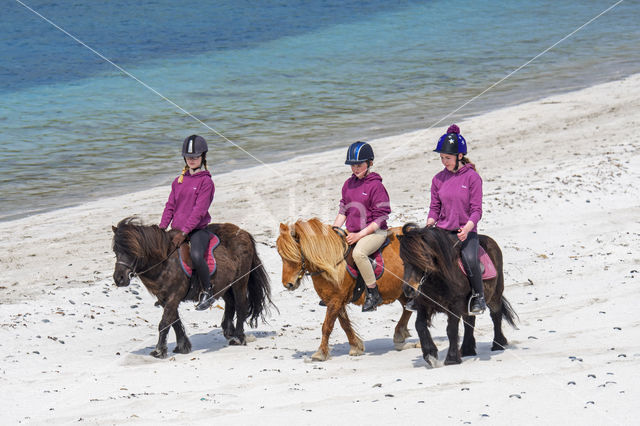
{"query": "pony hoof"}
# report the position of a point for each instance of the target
(184, 349)
(452, 361)
(432, 362)
(236, 341)
(159, 353)
(408, 345)
(468, 352)
(319, 356)
(498, 347)
(356, 350)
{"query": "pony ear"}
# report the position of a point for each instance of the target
(283, 228)
(114, 229)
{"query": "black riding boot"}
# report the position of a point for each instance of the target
(199, 243)
(372, 299)
(469, 254)
(478, 305)
(205, 300)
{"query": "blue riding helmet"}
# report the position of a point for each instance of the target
(359, 152)
(452, 142)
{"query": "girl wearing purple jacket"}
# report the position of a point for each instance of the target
(187, 210)
(456, 205)
(364, 208)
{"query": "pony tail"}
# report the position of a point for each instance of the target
(180, 179)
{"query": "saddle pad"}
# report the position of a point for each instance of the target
(486, 265)
(214, 242)
(377, 262)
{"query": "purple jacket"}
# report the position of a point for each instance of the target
(189, 202)
(456, 198)
(365, 201)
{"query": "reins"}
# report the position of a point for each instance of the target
(134, 273)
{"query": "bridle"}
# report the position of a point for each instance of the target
(134, 273)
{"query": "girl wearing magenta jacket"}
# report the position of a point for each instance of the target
(456, 206)
(364, 208)
(187, 210)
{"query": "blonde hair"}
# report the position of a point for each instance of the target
(186, 168)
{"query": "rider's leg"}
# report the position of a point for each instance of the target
(363, 248)
(199, 244)
(469, 253)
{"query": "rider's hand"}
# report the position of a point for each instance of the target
(179, 238)
(354, 237)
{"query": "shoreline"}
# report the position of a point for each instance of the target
(119, 190)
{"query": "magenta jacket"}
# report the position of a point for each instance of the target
(189, 202)
(456, 198)
(365, 201)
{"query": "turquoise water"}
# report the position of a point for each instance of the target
(277, 79)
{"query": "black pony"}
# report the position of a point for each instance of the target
(240, 278)
(430, 258)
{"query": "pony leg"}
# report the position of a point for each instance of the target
(356, 343)
(240, 296)
(228, 329)
(183, 345)
(468, 341)
(453, 355)
(401, 331)
(429, 349)
(322, 354)
(499, 341)
(169, 315)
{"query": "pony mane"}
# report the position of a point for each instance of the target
(143, 242)
(430, 250)
(287, 246)
(323, 248)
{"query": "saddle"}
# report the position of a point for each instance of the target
(185, 256)
(377, 262)
(487, 267)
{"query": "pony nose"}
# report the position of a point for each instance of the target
(120, 279)
(289, 286)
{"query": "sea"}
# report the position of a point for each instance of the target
(97, 96)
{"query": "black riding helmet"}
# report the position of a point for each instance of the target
(194, 146)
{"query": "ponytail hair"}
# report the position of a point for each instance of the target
(186, 167)
(184, 170)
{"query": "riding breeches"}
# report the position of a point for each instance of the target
(363, 248)
(199, 243)
(469, 254)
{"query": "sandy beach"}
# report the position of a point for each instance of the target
(561, 195)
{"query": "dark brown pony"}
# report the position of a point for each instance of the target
(311, 247)
(240, 278)
(430, 258)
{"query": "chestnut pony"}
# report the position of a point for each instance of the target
(316, 249)
(240, 278)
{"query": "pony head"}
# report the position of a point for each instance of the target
(310, 247)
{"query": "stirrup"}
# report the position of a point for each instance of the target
(410, 305)
(205, 301)
(475, 296)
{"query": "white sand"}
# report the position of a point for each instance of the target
(561, 182)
